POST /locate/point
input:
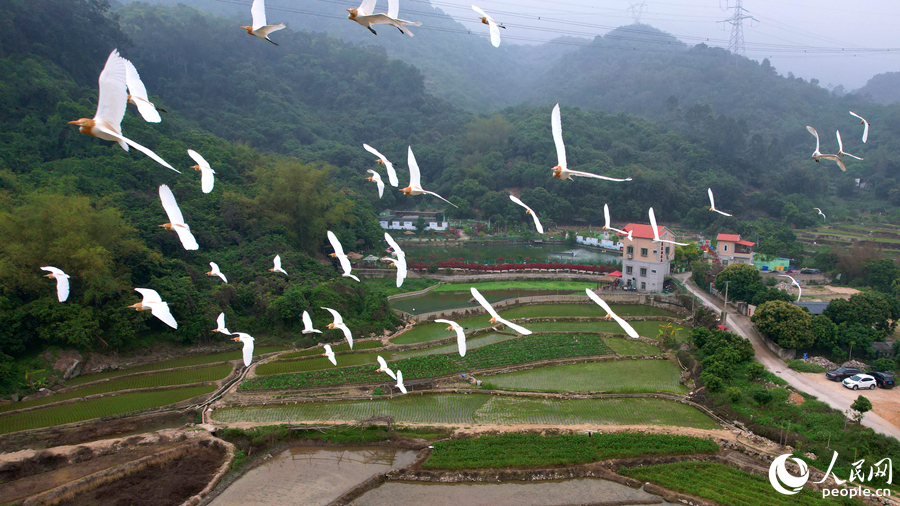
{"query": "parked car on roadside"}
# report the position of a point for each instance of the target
(791, 271)
(884, 379)
(842, 373)
(858, 381)
(810, 271)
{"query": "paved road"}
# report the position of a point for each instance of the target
(742, 326)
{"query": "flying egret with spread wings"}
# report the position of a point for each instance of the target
(865, 136)
(260, 28)
(393, 14)
(712, 203)
(220, 325)
(376, 178)
(111, 104)
(399, 262)
(400, 382)
(656, 231)
(383, 367)
(494, 27)
(339, 324)
(495, 318)
(176, 220)
(528, 210)
(460, 335)
(153, 303)
(561, 169)
(841, 151)
(818, 155)
(415, 180)
(382, 160)
(308, 325)
(342, 258)
(330, 354)
(207, 175)
(247, 351)
(608, 226)
(62, 282)
(609, 314)
(214, 271)
(795, 283)
(137, 95)
(821, 213)
(277, 265)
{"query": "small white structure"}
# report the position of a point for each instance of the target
(602, 243)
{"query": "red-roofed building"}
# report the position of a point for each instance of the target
(646, 264)
(732, 250)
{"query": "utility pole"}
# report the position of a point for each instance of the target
(725, 306)
(736, 42)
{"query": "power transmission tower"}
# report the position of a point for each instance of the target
(636, 11)
(736, 43)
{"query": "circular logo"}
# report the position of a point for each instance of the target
(779, 474)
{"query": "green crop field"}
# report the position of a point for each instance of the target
(539, 310)
(431, 331)
(536, 284)
(621, 376)
(471, 344)
(480, 409)
(188, 361)
(724, 485)
(163, 379)
(337, 348)
(315, 364)
(518, 450)
(97, 408)
(629, 346)
(644, 328)
(514, 351)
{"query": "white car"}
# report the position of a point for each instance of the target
(858, 381)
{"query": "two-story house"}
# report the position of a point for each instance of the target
(646, 264)
(732, 250)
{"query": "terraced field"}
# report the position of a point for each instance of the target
(314, 364)
(188, 361)
(622, 376)
(97, 408)
(337, 348)
(644, 328)
(629, 346)
(480, 409)
(471, 344)
(514, 351)
(163, 379)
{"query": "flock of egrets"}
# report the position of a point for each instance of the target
(120, 84)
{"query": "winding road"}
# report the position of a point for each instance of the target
(835, 398)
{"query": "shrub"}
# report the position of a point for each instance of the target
(755, 370)
(801, 366)
(734, 393)
(762, 396)
(712, 382)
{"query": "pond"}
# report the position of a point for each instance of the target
(311, 475)
(512, 253)
(443, 300)
(549, 493)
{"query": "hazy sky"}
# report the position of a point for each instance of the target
(786, 28)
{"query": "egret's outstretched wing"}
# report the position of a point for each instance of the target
(199, 160)
(816, 134)
(266, 30)
(401, 271)
(518, 328)
(394, 246)
(345, 264)
(161, 311)
(865, 136)
(484, 303)
(653, 225)
(606, 217)
(479, 11)
(207, 175)
(556, 125)
(139, 94)
(149, 295)
(415, 179)
(393, 8)
(376, 177)
(308, 324)
(186, 237)
(537, 222)
(598, 176)
(335, 244)
(335, 315)
(347, 334)
(836, 159)
(169, 204)
(220, 324)
(217, 272)
(400, 382)
(392, 174)
(837, 133)
(460, 335)
(442, 198)
(113, 97)
(258, 11)
(147, 151)
(712, 201)
(247, 340)
(351, 276)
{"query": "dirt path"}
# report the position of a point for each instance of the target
(742, 326)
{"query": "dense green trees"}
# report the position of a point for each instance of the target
(870, 309)
(786, 324)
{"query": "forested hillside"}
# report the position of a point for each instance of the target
(883, 88)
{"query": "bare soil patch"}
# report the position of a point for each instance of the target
(796, 398)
